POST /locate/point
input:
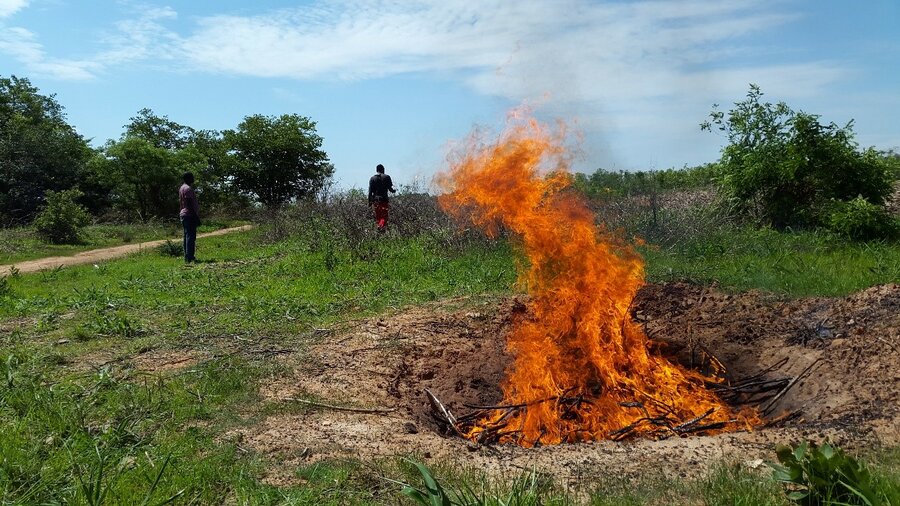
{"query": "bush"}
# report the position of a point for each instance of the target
(861, 220)
(170, 249)
(823, 475)
(62, 218)
(782, 168)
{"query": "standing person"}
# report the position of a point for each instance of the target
(190, 215)
(379, 186)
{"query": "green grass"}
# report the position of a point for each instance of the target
(72, 433)
(800, 264)
(75, 434)
(20, 244)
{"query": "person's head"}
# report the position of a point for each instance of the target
(379, 169)
(188, 178)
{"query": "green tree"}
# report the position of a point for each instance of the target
(202, 152)
(278, 158)
(39, 151)
(783, 168)
(145, 177)
(159, 130)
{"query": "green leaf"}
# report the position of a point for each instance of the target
(798, 495)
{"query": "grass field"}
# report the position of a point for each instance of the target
(80, 423)
(793, 264)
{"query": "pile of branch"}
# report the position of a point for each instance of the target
(493, 424)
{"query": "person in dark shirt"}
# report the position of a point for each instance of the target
(379, 186)
(190, 215)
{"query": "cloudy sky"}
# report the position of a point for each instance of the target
(393, 81)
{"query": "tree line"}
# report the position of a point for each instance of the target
(267, 160)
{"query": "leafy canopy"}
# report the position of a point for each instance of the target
(783, 167)
(278, 158)
(39, 151)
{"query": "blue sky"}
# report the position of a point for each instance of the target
(393, 81)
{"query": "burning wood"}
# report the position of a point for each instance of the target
(583, 368)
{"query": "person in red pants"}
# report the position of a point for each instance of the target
(379, 186)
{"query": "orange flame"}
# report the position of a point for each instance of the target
(582, 368)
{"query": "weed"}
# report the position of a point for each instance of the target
(170, 249)
(5, 289)
(823, 474)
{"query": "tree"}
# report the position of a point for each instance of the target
(145, 177)
(278, 158)
(159, 130)
(39, 151)
(784, 168)
(202, 152)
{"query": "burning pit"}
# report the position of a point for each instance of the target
(582, 369)
(457, 350)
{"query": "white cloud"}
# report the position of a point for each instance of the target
(139, 38)
(619, 66)
(10, 7)
(22, 45)
(639, 67)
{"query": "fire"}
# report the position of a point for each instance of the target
(582, 367)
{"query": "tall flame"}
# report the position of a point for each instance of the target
(582, 368)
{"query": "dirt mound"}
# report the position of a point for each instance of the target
(851, 394)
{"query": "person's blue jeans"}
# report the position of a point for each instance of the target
(190, 224)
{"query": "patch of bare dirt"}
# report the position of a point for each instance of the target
(851, 396)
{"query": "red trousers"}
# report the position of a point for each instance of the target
(381, 214)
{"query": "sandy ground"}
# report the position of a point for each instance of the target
(851, 396)
(99, 255)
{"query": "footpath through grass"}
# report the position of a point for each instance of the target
(21, 244)
(80, 423)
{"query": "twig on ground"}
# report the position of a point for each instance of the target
(341, 408)
(793, 382)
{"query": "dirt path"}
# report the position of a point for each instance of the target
(99, 255)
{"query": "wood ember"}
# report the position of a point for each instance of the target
(750, 391)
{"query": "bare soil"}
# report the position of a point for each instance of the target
(852, 396)
(99, 255)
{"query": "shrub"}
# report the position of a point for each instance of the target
(861, 220)
(170, 249)
(782, 167)
(823, 475)
(62, 218)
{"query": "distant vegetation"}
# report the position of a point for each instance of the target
(267, 160)
(607, 183)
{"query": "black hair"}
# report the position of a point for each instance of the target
(188, 177)
(379, 168)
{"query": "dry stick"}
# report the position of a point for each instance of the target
(885, 341)
(524, 404)
(782, 419)
(439, 407)
(686, 425)
(793, 382)
(771, 368)
(341, 408)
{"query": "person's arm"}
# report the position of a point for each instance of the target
(391, 185)
(195, 204)
(371, 190)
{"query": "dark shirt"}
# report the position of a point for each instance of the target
(379, 185)
(188, 201)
